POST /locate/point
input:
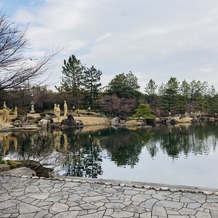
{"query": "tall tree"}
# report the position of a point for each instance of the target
(117, 85)
(124, 86)
(170, 95)
(201, 104)
(150, 90)
(197, 89)
(15, 68)
(161, 89)
(73, 74)
(184, 95)
(72, 81)
(214, 105)
(132, 81)
(151, 87)
(92, 84)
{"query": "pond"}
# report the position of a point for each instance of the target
(179, 155)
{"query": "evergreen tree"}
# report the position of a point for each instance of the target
(170, 95)
(73, 78)
(201, 104)
(214, 107)
(144, 111)
(124, 86)
(73, 74)
(132, 81)
(150, 90)
(92, 84)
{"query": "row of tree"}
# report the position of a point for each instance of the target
(178, 97)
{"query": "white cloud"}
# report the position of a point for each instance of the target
(156, 41)
(103, 38)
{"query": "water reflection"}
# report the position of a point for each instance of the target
(7, 140)
(196, 139)
(81, 154)
(124, 146)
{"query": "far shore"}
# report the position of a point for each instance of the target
(94, 122)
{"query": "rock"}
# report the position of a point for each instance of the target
(21, 171)
(17, 123)
(115, 121)
(139, 123)
(131, 123)
(44, 123)
(158, 120)
(69, 122)
(38, 168)
(183, 119)
(5, 126)
(173, 121)
(211, 118)
(79, 123)
(4, 167)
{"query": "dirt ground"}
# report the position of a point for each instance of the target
(93, 121)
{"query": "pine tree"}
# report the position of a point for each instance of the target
(72, 80)
(92, 84)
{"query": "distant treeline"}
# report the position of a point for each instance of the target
(121, 98)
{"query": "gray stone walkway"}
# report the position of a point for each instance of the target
(22, 196)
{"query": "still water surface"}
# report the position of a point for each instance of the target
(179, 155)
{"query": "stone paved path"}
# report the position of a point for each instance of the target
(22, 196)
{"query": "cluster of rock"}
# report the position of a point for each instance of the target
(27, 167)
(11, 122)
(186, 118)
(131, 122)
(174, 120)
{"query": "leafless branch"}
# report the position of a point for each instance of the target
(15, 69)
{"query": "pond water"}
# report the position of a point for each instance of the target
(179, 155)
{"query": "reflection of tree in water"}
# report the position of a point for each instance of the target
(125, 145)
(152, 147)
(196, 139)
(203, 136)
(34, 145)
(8, 144)
(83, 157)
(145, 138)
(80, 153)
(7, 141)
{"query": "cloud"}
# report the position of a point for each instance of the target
(156, 41)
(102, 38)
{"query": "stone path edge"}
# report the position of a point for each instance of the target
(124, 183)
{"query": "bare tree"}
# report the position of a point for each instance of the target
(15, 69)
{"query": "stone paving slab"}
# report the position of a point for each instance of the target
(26, 197)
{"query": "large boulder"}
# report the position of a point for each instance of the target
(44, 123)
(115, 121)
(69, 122)
(181, 119)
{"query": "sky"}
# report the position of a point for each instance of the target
(153, 39)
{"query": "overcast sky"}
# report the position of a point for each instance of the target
(155, 39)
